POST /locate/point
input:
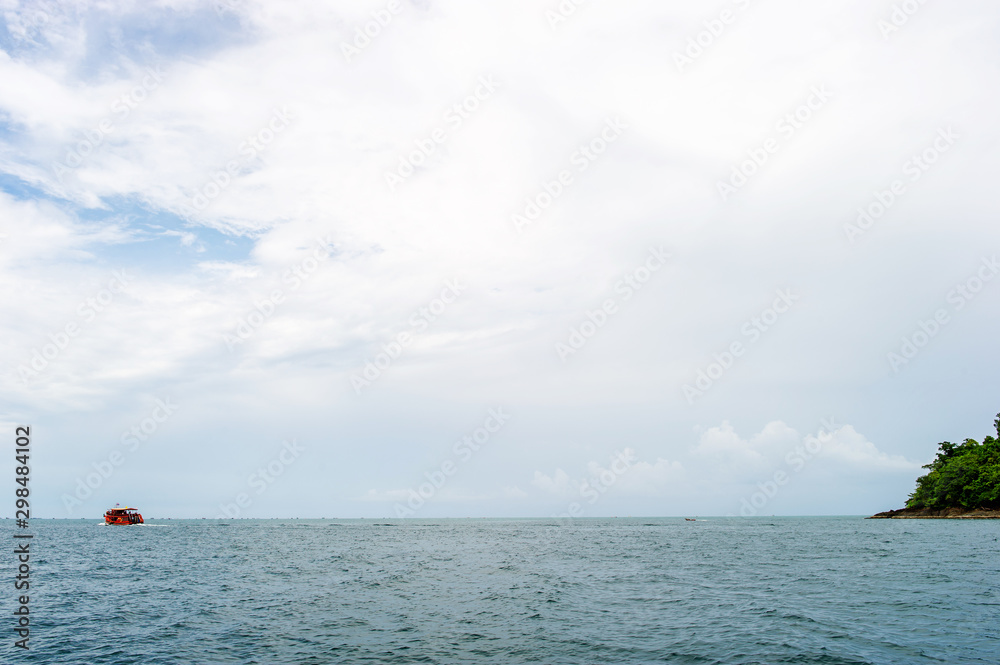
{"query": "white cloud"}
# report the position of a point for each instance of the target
(722, 442)
(640, 477)
(558, 483)
(840, 456)
(847, 446)
(514, 492)
(324, 174)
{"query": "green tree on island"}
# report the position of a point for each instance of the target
(966, 475)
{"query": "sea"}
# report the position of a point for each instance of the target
(824, 590)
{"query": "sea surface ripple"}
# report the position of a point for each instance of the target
(592, 591)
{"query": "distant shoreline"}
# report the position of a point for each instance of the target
(937, 514)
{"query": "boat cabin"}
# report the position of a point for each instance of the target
(123, 516)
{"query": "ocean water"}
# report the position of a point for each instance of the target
(593, 591)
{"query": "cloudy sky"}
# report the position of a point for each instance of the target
(439, 258)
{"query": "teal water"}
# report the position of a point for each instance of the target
(646, 590)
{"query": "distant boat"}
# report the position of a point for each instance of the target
(124, 515)
(688, 519)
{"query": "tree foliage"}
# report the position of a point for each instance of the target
(965, 475)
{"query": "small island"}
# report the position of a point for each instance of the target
(963, 482)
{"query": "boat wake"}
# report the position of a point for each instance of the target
(148, 526)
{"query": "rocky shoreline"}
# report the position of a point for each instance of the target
(937, 514)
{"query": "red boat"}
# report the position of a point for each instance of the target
(124, 515)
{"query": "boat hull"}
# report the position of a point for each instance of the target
(123, 517)
(119, 521)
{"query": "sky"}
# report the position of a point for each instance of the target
(431, 258)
